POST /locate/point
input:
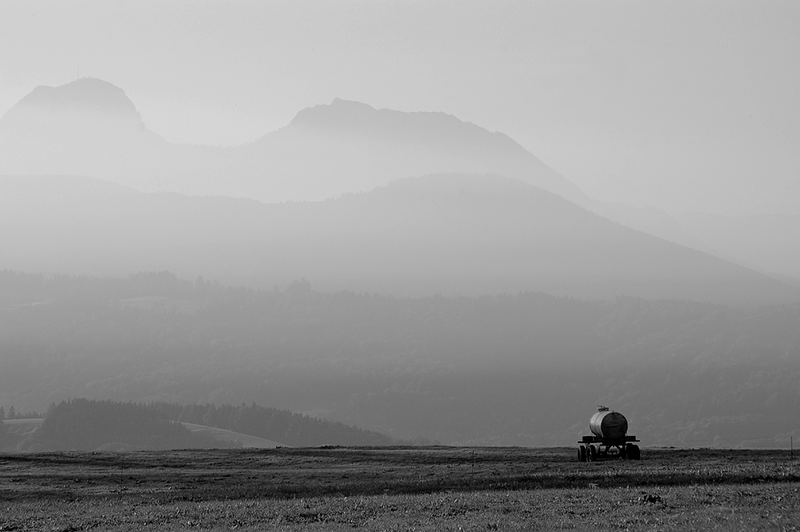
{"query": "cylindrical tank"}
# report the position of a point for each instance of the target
(608, 424)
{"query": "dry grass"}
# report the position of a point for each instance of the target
(397, 489)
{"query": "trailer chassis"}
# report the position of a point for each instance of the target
(592, 448)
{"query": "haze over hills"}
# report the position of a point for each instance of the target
(90, 127)
(458, 224)
(351, 147)
(522, 369)
(87, 127)
(55, 112)
(465, 224)
(450, 234)
(767, 241)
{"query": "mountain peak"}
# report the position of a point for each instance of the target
(85, 94)
(393, 144)
(82, 127)
(342, 103)
(424, 126)
(338, 112)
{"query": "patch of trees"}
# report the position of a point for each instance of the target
(81, 424)
(11, 413)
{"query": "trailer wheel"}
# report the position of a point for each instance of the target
(592, 453)
(581, 453)
(633, 452)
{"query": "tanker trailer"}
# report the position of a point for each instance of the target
(609, 438)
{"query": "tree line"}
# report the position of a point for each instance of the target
(12, 413)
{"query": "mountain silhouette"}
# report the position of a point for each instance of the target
(355, 144)
(87, 127)
(89, 94)
(90, 127)
(84, 111)
(455, 234)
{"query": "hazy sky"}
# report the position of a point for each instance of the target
(643, 101)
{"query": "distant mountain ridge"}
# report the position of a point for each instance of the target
(89, 94)
(86, 111)
(90, 127)
(347, 116)
(450, 234)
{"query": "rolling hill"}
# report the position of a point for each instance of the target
(120, 426)
(450, 234)
(24, 430)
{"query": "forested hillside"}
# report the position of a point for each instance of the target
(82, 424)
(455, 370)
(86, 425)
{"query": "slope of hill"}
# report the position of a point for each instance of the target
(108, 425)
(282, 425)
(236, 439)
(22, 432)
(23, 427)
(449, 234)
(769, 242)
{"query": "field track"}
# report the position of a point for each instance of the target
(398, 488)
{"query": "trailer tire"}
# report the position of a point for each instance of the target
(592, 456)
(633, 452)
(581, 453)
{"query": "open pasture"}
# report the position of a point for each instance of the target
(398, 488)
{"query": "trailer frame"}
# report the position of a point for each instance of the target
(593, 448)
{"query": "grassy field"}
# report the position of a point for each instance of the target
(398, 489)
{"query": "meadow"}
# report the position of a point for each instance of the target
(398, 488)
